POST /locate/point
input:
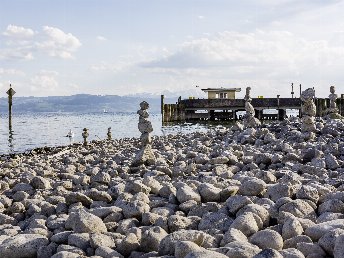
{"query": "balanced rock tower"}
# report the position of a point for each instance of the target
(249, 119)
(308, 111)
(145, 155)
(332, 112)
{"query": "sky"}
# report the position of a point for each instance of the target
(121, 47)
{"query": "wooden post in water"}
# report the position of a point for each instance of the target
(162, 108)
(10, 94)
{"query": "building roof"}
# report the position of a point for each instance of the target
(222, 89)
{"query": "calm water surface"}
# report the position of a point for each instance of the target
(32, 130)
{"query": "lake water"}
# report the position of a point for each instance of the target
(33, 130)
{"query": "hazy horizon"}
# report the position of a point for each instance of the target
(66, 47)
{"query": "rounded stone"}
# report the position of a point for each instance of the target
(267, 238)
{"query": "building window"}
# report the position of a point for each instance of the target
(223, 95)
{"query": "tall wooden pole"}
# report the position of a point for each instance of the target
(10, 94)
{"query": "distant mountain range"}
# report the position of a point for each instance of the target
(197, 93)
(84, 103)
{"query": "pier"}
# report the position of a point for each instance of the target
(227, 109)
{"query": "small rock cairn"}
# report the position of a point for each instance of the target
(308, 111)
(109, 134)
(249, 120)
(145, 155)
(85, 134)
(332, 112)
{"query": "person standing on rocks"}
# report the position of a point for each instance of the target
(145, 155)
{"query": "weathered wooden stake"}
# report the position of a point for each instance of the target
(10, 94)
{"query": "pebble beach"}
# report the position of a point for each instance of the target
(256, 192)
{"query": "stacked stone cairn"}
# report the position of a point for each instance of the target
(145, 155)
(249, 120)
(332, 112)
(308, 111)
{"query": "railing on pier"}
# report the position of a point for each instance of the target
(226, 109)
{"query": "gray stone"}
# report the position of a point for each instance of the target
(236, 202)
(232, 235)
(71, 249)
(186, 193)
(151, 239)
(258, 210)
(81, 240)
(85, 222)
(22, 245)
(103, 212)
(246, 223)
(126, 224)
(75, 197)
(209, 193)
(238, 249)
(291, 228)
(65, 254)
(308, 192)
(176, 222)
(39, 182)
(205, 254)
(107, 252)
(167, 245)
(268, 253)
(101, 240)
(129, 244)
(215, 220)
(291, 253)
(47, 251)
(5, 219)
(310, 249)
(318, 230)
(300, 209)
(267, 238)
(101, 196)
(338, 250)
(331, 161)
(183, 248)
(279, 190)
(333, 205)
(101, 177)
(134, 209)
(292, 242)
(327, 216)
(252, 187)
(327, 241)
(61, 237)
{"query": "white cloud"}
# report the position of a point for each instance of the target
(18, 32)
(262, 58)
(4, 71)
(254, 50)
(201, 17)
(58, 43)
(44, 81)
(101, 38)
(74, 86)
(105, 67)
(25, 44)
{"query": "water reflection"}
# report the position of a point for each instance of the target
(10, 139)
